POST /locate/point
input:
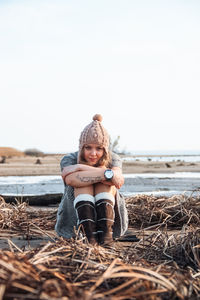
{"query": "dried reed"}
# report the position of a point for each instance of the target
(163, 265)
(176, 211)
(72, 269)
(21, 219)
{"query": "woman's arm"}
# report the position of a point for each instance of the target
(74, 168)
(85, 178)
(118, 178)
(78, 175)
(83, 175)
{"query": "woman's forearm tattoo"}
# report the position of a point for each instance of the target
(90, 179)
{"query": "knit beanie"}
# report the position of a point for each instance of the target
(94, 133)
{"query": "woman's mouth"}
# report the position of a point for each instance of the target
(92, 159)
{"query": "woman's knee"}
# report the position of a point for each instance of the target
(101, 188)
(89, 189)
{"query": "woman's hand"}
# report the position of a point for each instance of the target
(68, 170)
(118, 178)
(102, 167)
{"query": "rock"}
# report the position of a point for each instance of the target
(3, 160)
(167, 165)
(38, 162)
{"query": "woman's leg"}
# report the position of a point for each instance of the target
(84, 190)
(104, 202)
(84, 204)
(100, 188)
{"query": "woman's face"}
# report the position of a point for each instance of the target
(92, 153)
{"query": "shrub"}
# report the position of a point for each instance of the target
(33, 152)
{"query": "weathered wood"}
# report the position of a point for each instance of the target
(45, 199)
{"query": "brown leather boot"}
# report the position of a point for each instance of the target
(85, 209)
(105, 217)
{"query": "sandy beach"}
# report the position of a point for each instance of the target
(50, 165)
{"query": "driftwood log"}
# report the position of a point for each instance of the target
(41, 200)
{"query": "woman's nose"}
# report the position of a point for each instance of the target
(93, 151)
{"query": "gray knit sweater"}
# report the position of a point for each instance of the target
(66, 216)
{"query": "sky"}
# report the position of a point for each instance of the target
(137, 63)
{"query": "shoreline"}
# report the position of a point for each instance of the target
(50, 165)
(47, 189)
(140, 176)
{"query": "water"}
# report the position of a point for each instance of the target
(30, 185)
(148, 183)
(165, 156)
(166, 152)
(185, 158)
(162, 184)
(184, 175)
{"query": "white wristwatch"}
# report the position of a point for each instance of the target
(108, 174)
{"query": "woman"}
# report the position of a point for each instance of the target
(92, 177)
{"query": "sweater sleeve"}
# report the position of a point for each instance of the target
(116, 160)
(68, 160)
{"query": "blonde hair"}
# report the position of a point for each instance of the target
(105, 160)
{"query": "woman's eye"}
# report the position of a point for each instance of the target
(99, 149)
(88, 148)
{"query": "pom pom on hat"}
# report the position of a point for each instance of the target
(98, 117)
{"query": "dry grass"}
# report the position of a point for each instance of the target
(21, 219)
(8, 151)
(162, 265)
(73, 269)
(155, 212)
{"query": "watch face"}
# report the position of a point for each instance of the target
(109, 174)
